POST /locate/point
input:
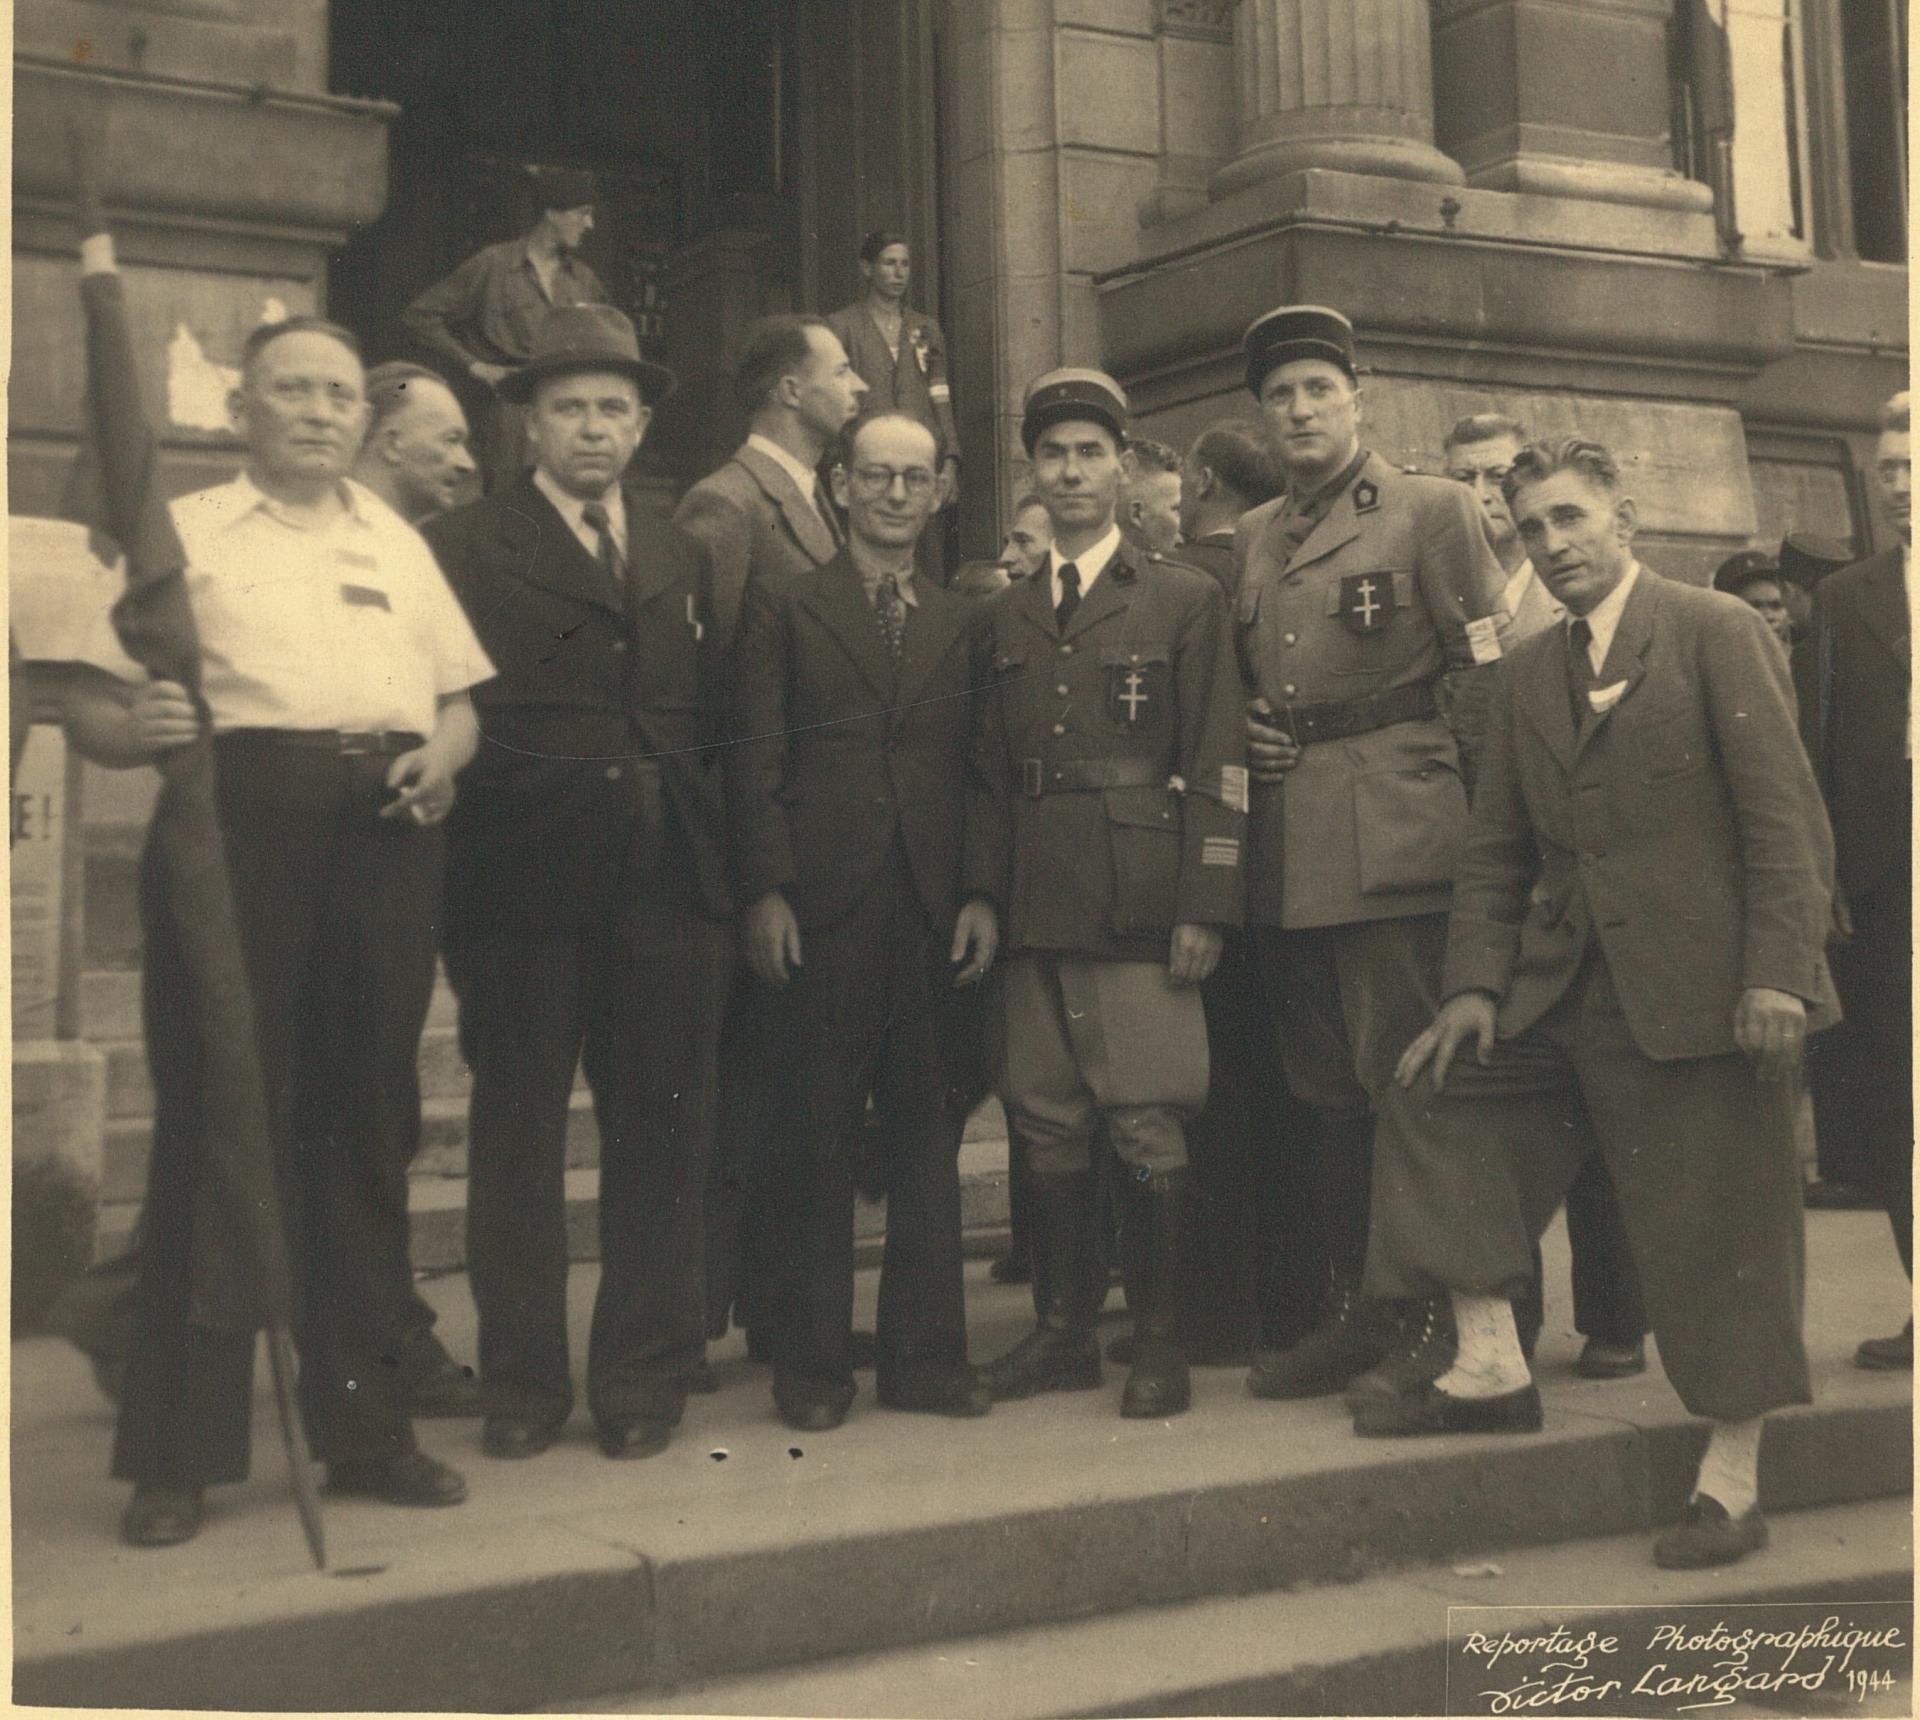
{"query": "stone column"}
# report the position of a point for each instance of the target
(1345, 85)
(1563, 98)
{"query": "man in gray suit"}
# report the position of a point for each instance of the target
(765, 512)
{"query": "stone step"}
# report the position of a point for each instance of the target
(110, 1003)
(745, 1552)
(1379, 1646)
(438, 1200)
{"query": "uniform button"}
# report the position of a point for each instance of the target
(1059, 728)
(613, 773)
(1289, 689)
(1061, 689)
(619, 645)
(1292, 639)
(1066, 650)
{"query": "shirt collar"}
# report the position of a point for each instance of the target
(870, 583)
(1334, 486)
(1603, 620)
(1090, 563)
(572, 508)
(1517, 587)
(805, 479)
(247, 496)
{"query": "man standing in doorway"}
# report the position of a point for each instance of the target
(482, 318)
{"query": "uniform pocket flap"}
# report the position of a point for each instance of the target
(1150, 808)
(1123, 654)
(1410, 822)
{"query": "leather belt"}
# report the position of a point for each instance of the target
(1339, 719)
(385, 743)
(1074, 775)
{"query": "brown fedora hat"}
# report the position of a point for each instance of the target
(587, 337)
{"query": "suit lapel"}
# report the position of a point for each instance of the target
(650, 568)
(802, 517)
(932, 624)
(1035, 601)
(542, 550)
(1627, 656)
(1883, 607)
(1540, 689)
(837, 600)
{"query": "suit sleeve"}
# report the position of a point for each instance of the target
(756, 722)
(727, 533)
(940, 391)
(1500, 862)
(1465, 591)
(989, 836)
(1786, 844)
(435, 318)
(1213, 764)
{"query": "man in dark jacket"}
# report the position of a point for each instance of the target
(584, 893)
(1855, 677)
(854, 793)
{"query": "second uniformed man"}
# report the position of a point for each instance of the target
(1116, 723)
(1357, 590)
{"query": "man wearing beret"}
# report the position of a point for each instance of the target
(1115, 724)
(586, 900)
(1358, 590)
(482, 318)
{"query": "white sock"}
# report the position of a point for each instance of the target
(1730, 1470)
(1488, 1362)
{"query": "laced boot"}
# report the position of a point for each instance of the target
(1060, 1354)
(1346, 1343)
(1159, 1384)
(1422, 1350)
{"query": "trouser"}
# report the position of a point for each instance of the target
(1607, 1304)
(636, 1003)
(1862, 1071)
(871, 1010)
(1346, 1001)
(738, 1217)
(1102, 1042)
(335, 909)
(1701, 1154)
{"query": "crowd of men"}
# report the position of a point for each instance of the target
(1334, 870)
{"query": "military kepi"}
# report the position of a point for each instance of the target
(1297, 331)
(1071, 393)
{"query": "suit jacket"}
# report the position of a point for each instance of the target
(1855, 678)
(1395, 586)
(1682, 829)
(755, 523)
(1213, 554)
(590, 679)
(1121, 742)
(1539, 609)
(914, 383)
(836, 757)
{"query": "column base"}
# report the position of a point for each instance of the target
(1382, 157)
(1600, 181)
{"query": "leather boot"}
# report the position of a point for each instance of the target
(1347, 1342)
(1422, 1349)
(1060, 1354)
(1156, 1214)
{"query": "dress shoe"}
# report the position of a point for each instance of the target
(1887, 1355)
(407, 1478)
(446, 1390)
(634, 1439)
(1708, 1536)
(1428, 1409)
(516, 1436)
(1604, 1361)
(808, 1406)
(1423, 1352)
(1011, 1269)
(161, 1516)
(935, 1390)
(1823, 1196)
(1326, 1359)
(1047, 1359)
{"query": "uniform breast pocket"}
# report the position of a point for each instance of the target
(1143, 830)
(1137, 687)
(1368, 610)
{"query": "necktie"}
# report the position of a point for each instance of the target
(608, 554)
(824, 507)
(891, 607)
(1579, 669)
(1069, 594)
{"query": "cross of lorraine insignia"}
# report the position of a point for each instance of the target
(1363, 601)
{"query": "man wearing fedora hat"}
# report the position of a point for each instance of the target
(585, 898)
(482, 319)
(1358, 590)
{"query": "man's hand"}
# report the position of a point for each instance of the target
(423, 785)
(1271, 752)
(976, 936)
(1194, 954)
(163, 717)
(773, 940)
(1467, 1014)
(491, 374)
(949, 484)
(1771, 1028)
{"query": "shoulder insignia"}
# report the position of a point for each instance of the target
(1366, 496)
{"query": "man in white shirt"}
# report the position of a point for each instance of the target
(335, 669)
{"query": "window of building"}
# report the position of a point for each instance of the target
(1873, 53)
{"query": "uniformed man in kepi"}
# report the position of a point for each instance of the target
(1116, 721)
(1358, 590)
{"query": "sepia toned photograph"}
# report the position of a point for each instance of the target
(961, 859)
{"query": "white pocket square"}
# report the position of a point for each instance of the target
(1603, 699)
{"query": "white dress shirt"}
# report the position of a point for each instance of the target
(573, 510)
(1516, 592)
(1604, 618)
(1090, 563)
